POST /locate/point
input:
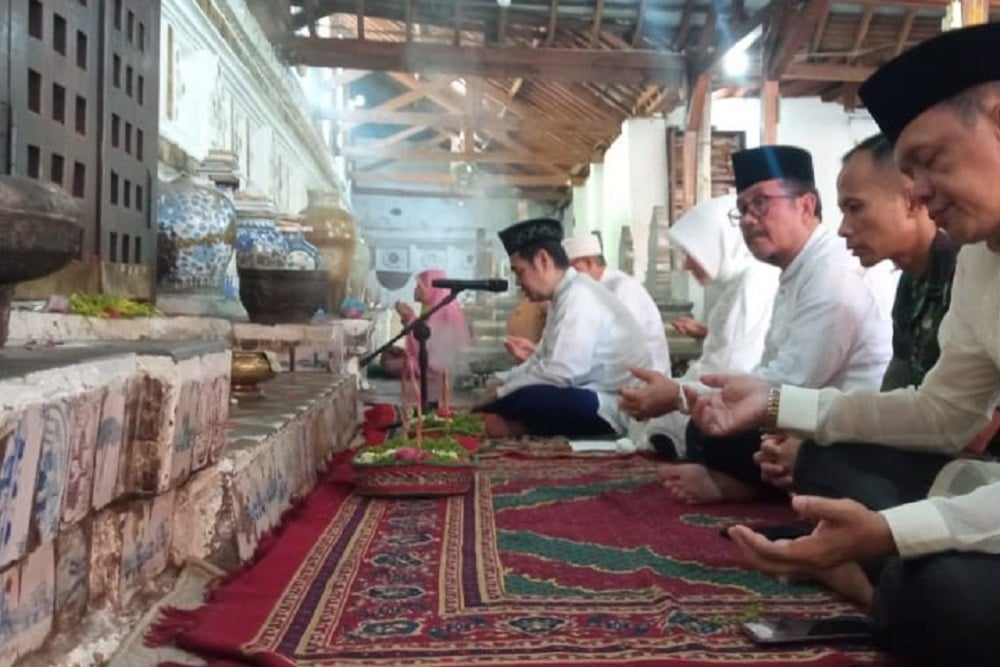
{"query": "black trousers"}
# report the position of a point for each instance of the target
(732, 455)
(942, 609)
(876, 476)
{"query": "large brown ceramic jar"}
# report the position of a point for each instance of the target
(334, 232)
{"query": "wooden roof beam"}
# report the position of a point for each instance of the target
(534, 194)
(736, 30)
(605, 66)
(550, 34)
(396, 153)
(640, 17)
(904, 32)
(684, 27)
(375, 179)
(802, 28)
(827, 72)
(595, 29)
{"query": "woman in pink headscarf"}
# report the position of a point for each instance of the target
(450, 338)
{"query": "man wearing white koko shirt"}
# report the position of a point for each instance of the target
(585, 256)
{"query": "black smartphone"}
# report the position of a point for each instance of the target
(789, 630)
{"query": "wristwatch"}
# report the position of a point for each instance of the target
(771, 409)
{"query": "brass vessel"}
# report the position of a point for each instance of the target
(249, 370)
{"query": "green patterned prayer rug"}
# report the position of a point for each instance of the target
(559, 561)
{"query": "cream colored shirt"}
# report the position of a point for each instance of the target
(589, 341)
(955, 401)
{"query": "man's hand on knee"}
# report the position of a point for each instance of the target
(658, 396)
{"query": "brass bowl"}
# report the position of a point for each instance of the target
(249, 369)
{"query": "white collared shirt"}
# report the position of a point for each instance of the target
(634, 296)
(827, 328)
(955, 401)
(589, 341)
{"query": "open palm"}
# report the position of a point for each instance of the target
(739, 405)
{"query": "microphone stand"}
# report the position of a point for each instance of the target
(418, 327)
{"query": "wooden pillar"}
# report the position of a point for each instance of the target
(975, 12)
(695, 119)
(703, 187)
(769, 98)
(690, 167)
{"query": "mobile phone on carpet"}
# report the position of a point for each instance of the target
(779, 630)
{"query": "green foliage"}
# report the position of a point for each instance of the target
(110, 306)
(404, 451)
(461, 423)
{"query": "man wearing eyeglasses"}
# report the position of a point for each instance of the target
(827, 329)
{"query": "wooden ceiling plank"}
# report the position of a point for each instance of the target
(640, 17)
(361, 19)
(608, 66)
(595, 29)
(410, 19)
(802, 29)
(827, 72)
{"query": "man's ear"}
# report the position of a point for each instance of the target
(810, 201)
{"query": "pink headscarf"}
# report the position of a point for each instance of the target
(450, 336)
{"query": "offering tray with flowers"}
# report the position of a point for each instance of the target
(420, 466)
(448, 423)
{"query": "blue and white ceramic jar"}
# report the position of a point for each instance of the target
(259, 244)
(301, 255)
(197, 225)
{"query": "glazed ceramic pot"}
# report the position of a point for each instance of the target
(300, 254)
(196, 231)
(282, 296)
(259, 244)
(40, 232)
(334, 233)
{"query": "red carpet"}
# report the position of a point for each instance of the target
(557, 561)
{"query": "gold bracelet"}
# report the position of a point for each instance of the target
(771, 410)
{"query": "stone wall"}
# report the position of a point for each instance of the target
(120, 461)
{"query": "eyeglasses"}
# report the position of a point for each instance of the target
(758, 206)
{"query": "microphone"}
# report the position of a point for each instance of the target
(487, 285)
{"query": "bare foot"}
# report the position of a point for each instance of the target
(691, 483)
(695, 484)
